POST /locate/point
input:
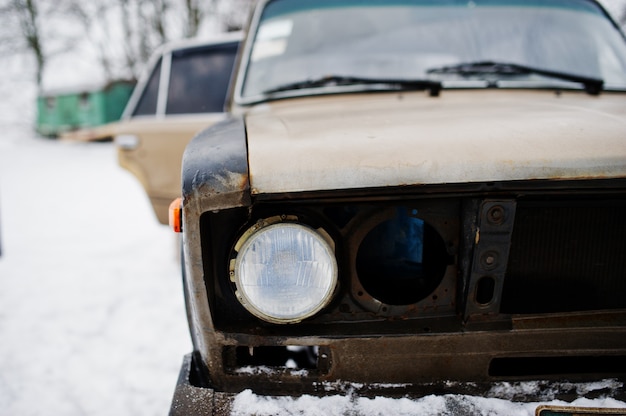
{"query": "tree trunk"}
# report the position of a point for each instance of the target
(194, 18)
(29, 23)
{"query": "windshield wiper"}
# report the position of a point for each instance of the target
(593, 86)
(339, 80)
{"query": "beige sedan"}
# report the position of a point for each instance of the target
(182, 92)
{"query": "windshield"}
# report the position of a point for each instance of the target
(302, 40)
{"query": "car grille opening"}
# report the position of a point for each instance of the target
(567, 258)
(478, 260)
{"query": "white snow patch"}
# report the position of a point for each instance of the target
(92, 318)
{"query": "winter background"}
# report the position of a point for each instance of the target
(92, 318)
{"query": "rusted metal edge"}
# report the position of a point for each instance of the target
(197, 401)
(215, 168)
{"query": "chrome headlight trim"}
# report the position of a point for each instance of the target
(284, 271)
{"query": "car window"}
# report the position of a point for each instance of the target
(406, 39)
(199, 80)
(147, 104)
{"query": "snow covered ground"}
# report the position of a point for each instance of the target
(92, 318)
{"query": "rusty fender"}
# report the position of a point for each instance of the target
(215, 168)
(214, 177)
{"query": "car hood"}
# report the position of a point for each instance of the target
(395, 139)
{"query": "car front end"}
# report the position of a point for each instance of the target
(400, 232)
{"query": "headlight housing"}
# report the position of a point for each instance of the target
(284, 272)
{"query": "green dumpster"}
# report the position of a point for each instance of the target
(62, 111)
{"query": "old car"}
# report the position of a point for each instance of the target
(182, 91)
(410, 197)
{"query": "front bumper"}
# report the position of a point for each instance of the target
(191, 399)
(199, 401)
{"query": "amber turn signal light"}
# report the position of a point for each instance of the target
(176, 215)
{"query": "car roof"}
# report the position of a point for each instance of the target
(190, 43)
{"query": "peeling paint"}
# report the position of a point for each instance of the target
(380, 141)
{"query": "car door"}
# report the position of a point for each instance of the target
(183, 93)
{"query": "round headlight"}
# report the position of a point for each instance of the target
(284, 272)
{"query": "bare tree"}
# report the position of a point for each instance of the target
(27, 13)
(120, 35)
(8, 28)
(144, 24)
(195, 16)
(136, 27)
(88, 15)
(233, 14)
(161, 9)
(143, 34)
(127, 33)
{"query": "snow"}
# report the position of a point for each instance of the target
(442, 405)
(92, 318)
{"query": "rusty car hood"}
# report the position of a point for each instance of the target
(395, 139)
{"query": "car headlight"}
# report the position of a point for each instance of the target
(284, 272)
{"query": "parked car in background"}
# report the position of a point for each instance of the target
(182, 91)
(410, 197)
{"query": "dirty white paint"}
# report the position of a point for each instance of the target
(359, 141)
